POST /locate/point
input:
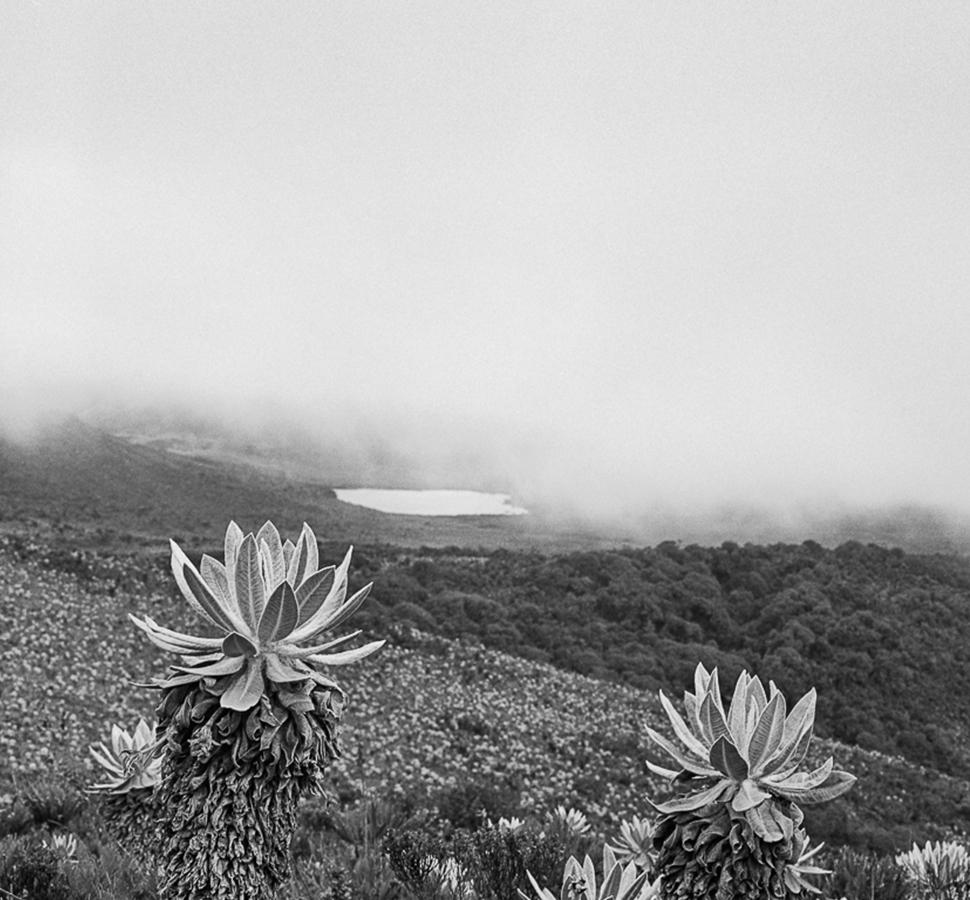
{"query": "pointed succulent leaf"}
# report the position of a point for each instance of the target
(737, 710)
(609, 858)
(280, 615)
(195, 591)
(295, 560)
(271, 548)
(712, 719)
(336, 618)
(701, 679)
(688, 763)
(310, 624)
(144, 733)
(790, 758)
(767, 734)
(541, 892)
(631, 884)
(289, 550)
(288, 649)
(669, 774)
(685, 735)
(214, 575)
(726, 759)
(690, 705)
(173, 641)
(756, 698)
(245, 690)
(714, 690)
(306, 559)
(250, 590)
(611, 880)
(802, 780)
(104, 757)
(589, 874)
(236, 644)
(226, 666)
(798, 722)
(313, 591)
(837, 784)
(693, 801)
(170, 681)
(345, 657)
(234, 537)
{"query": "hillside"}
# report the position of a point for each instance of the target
(152, 477)
(101, 490)
(882, 634)
(438, 720)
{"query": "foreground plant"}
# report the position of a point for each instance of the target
(579, 882)
(735, 832)
(938, 870)
(635, 843)
(867, 875)
(127, 794)
(249, 720)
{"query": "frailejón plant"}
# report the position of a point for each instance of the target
(248, 718)
(569, 821)
(798, 872)
(129, 762)
(579, 882)
(635, 843)
(732, 832)
(127, 794)
(940, 869)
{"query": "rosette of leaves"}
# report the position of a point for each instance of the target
(634, 843)
(248, 719)
(127, 800)
(579, 882)
(742, 790)
(940, 869)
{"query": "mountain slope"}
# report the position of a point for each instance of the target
(99, 487)
(428, 717)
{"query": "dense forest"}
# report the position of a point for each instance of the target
(881, 634)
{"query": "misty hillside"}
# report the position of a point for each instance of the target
(158, 475)
(72, 477)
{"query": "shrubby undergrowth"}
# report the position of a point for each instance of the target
(375, 849)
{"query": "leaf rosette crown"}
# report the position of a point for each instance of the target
(129, 760)
(271, 600)
(748, 755)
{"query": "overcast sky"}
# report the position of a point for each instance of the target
(671, 251)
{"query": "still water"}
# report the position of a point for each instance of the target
(431, 503)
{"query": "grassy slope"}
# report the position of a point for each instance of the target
(424, 717)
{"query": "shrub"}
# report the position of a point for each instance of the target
(28, 869)
(866, 876)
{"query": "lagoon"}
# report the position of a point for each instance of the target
(431, 502)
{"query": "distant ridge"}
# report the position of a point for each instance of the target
(97, 486)
(154, 485)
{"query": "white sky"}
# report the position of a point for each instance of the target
(679, 251)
